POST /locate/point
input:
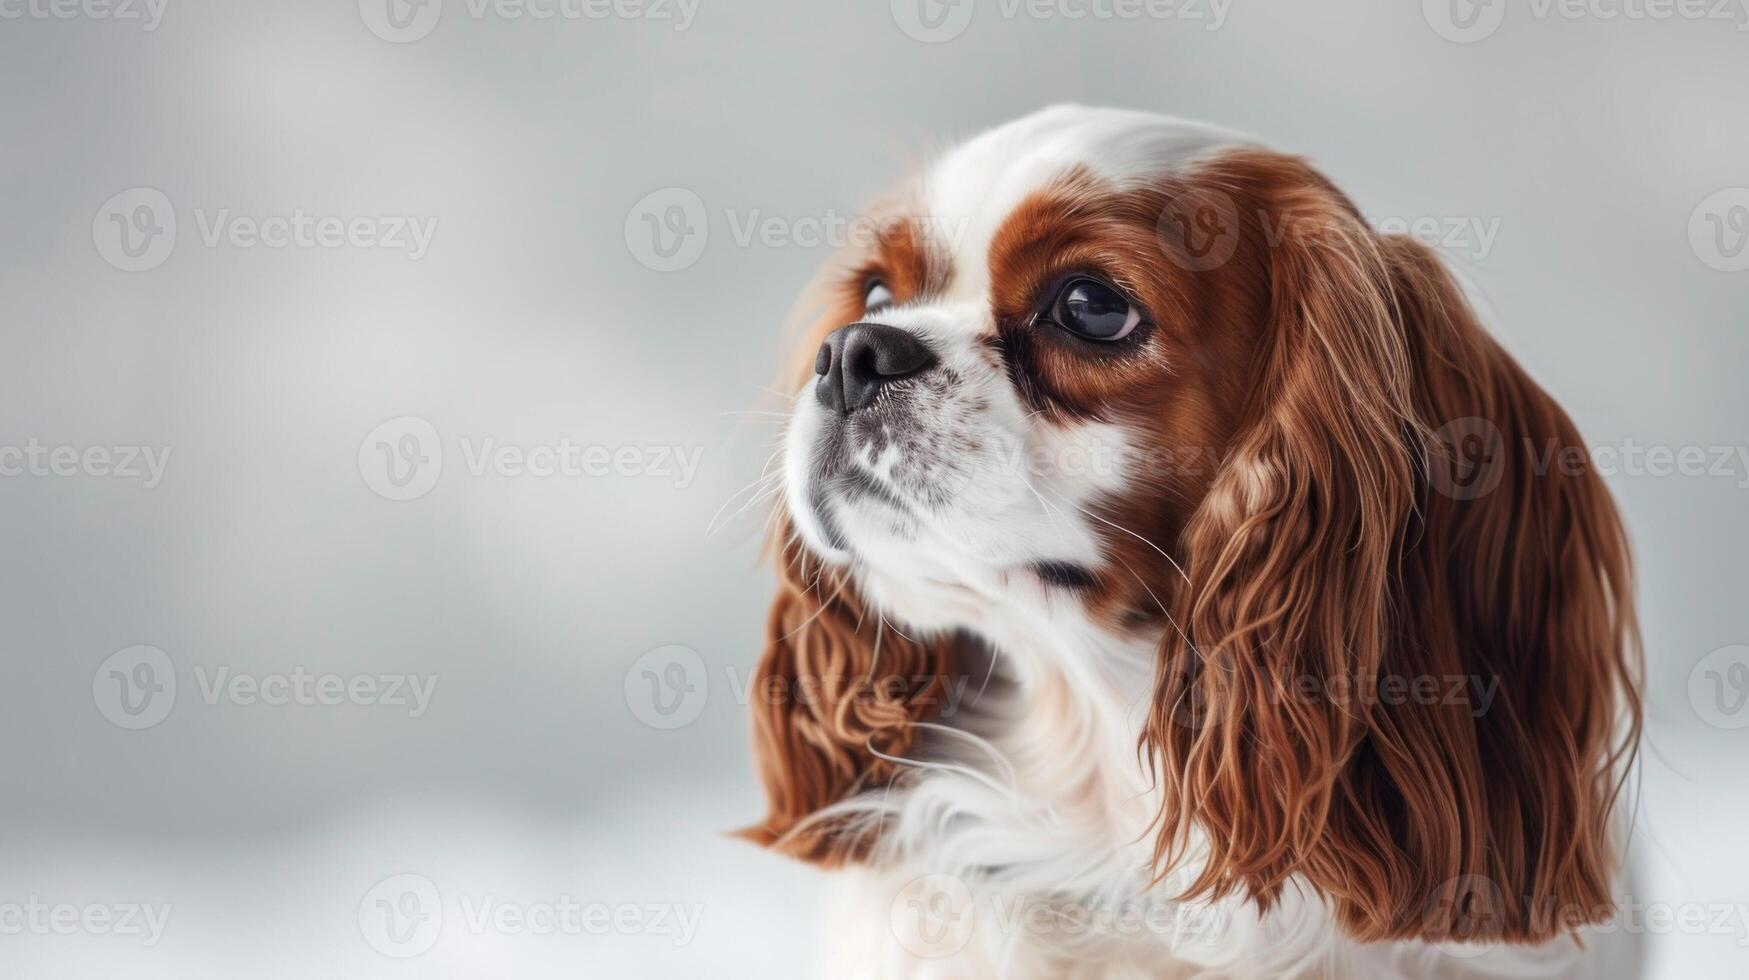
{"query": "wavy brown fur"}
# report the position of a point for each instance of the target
(836, 689)
(1326, 550)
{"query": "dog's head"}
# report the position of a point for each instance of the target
(1119, 364)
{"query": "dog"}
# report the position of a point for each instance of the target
(1169, 586)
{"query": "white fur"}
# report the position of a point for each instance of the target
(1033, 795)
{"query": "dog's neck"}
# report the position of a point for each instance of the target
(1052, 711)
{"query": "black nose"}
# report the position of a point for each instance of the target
(855, 361)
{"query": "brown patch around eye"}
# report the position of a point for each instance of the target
(900, 259)
(1178, 390)
(1077, 226)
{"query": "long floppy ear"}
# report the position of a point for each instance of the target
(834, 699)
(1407, 669)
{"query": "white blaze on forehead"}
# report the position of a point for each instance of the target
(990, 490)
(973, 189)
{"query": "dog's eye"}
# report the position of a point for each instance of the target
(876, 296)
(1091, 309)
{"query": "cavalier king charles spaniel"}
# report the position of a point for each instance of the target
(1173, 583)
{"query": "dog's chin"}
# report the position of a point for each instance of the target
(923, 495)
(845, 516)
(810, 503)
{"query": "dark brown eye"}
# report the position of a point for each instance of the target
(1089, 308)
(876, 296)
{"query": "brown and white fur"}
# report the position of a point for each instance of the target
(1252, 644)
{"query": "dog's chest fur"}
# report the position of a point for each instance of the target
(1029, 796)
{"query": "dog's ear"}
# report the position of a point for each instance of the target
(1408, 651)
(834, 701)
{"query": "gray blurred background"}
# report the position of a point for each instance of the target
(1587, 171)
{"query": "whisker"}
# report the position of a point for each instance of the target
(758, 485)
(764, 495)
(1169, 559)
(816, 614)
(1050, 512)
(765, 476)
(785, 397)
